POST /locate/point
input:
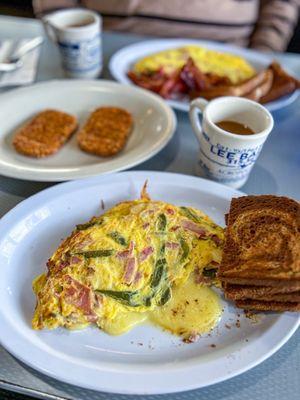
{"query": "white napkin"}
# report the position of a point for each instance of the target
(24, 75)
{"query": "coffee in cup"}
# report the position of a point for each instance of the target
(231, 136)
(77, 32)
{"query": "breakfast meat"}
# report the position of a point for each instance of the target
(260, 266)
(267, 85)
(262, 89)
(234, 90)
(106, 131)
(45, 134)
(136, 261)
(193, 72)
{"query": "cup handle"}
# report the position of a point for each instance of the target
(196, 106)
(49, 29)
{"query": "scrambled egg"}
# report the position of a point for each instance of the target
(141, 260)
(236, 68)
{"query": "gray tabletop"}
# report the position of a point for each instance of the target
(277, 171)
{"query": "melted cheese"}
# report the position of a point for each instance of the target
(123, 322)
(193, 309)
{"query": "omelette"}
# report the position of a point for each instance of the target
(142, 260)
(234, 67)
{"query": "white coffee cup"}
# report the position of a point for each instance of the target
(227, 157)
(77, 33)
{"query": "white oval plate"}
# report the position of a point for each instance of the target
(146, 360)
(123, 60)
(154, 125)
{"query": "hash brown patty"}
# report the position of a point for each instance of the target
(106, 131)
(45, 133)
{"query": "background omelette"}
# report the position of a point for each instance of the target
(232, 66)
(140, 260)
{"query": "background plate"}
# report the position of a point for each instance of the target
(145, 360)
(123, 60)
(154, 125)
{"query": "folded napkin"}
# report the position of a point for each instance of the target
(24, 75)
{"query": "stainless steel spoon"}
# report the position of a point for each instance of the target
(14, 61)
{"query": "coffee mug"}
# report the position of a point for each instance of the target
(224, 156)
(77, 33)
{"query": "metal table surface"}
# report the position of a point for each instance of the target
(277, 171)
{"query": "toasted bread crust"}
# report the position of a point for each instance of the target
(280, 283)
(283, 84)
(285, 297)
(262, 241)
(248, 291)
(45, 133)
(106, 131)
(258, 305)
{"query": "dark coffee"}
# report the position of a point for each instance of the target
(235, 127)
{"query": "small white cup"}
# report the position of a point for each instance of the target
(227, 157)
(77, 33)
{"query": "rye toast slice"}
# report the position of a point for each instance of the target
(259, 305)
(292, 284)
(293, 297)
(282, 85)
(262, 245)
(253, 292)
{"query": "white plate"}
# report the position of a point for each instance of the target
(123, 60)
(154, 125)
(146, 360)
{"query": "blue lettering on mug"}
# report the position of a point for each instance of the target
(239, 157)
(212, 149)
(221, 153)
(81, 55)
(230, 156)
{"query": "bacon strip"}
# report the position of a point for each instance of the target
(153, 82)
(193, 78)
